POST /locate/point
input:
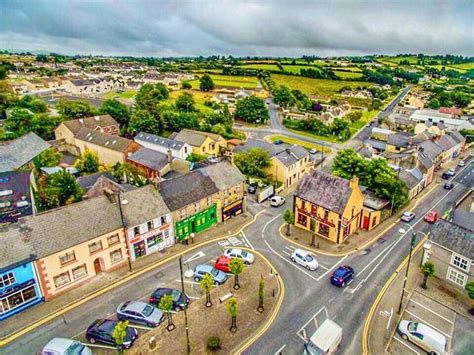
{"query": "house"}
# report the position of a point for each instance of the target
(151, 163)
(67, 130)
(178, 149)
(413, 179)
(19, 153)
(203, 143)
(372, 211)
(110, 149)
(435, 116)
(16, 195)
(101, 183)
(148, 221)
(451, 249)
(328, 206)
(19, 284)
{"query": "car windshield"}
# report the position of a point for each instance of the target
(214, 272)
(107, 327)
(147, 310)
(407, 214)
(412, 326)
(308, 258)
(75, 349)
(244, 253)
(175, 295)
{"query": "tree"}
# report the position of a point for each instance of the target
(252, 109)
(3, 73)
(206, 286)
(434, 104)
(75, 109)
(150, 95)
(223, 118)
(253, 162)
(88, 162)
(117, 110)
(282, 96)
(206, 83)
(470, 292)
(233, 310)
(348, 163)
(261, 295)
(236, 266)
(289, 219)
(185, 102)
(59, 189)
(119, 334)
(186, 85)
(428, 269)
(129, 174)
(354, 116)
(48, 158)
(166, 304)
(143, 120)
(376, 103)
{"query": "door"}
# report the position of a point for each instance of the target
(365, 224)
(98, 265)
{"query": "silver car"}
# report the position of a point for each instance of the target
(247, 258)
(140, 312)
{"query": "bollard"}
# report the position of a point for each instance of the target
(152, 343)
(273, 293)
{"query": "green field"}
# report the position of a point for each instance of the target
(297, 68)
(126, 95)
(463, 66)
(260, 66)
(322, 88)
(304, 144)
(199, 97)
(245, 82)
(345, 74)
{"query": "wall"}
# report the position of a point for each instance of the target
(62, 132)
(106, 156)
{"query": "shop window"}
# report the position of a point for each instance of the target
(374, 221)
(154, 240)
(29, 293)
(314, 210)
(7, 279)
(62, 279)
(96, 246)
(302, 219)
(116, 255)
(323, 230)
(67, 258)
(79, 272)
(149, 225)
(113, 239)
(166, 233)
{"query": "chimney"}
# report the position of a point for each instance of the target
(170, 156)
(354, 182)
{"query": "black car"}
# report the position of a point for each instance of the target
(445, 176)
(179, 300)
(342, 276)
(252, 189)
(102, 329)
(448, 185)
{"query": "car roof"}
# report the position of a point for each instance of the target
(58, 344)
(162, 291)
(235, 250)
(408, 213)
(302, 251)
(105, 324)
(136, 306)
(430, 332)
(204, 267)
(223, 258)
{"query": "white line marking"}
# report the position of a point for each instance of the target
(288, 248)
(409, 347)
(266, 224)
(248, 241)
(329, 270)
(284, 251)
(196, 256)
(432, 326)
(99, 346)
(280, 350)
(314, 316)
(374, 259)
(323, 267)
(419, 304)
(193, 297)
(303, 337)
(291, 247)
(140, 326)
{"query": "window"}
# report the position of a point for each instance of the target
(314, 210)
(185, 150)
(149, 224)
(209, 202)
(302, 220)
(323, 230)
(67, 258)
(136, 230)
(7, 279)
(196, 207)
(182, 213)
(154, 240)
(116, 255)
(303, 205)
(79, 272)
(96, 246)
(374, 221)
(62, 279)
(460, 262)
(113, 239)
(456, 277)
(163, 220)
(326, 214)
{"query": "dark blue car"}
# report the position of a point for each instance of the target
(102, 329)
(179, 300)
(342, 276)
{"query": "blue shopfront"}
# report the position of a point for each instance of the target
(19, 288)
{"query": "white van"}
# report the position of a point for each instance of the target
(425, 337)
(325, 339)
(277, 201)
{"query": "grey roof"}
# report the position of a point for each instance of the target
(18, 152)
(453, 237)
(143, 204)
(157, 140)
(463, 218)
(105, 140)
(325, 190)
(446, 142)
(149, 158)
(15, 249)
(458, 137)
(224, 175)
(430, 149)
(376, 144)
(400, 140)
(410, 179)
(87, 181)
(186, 189)
(91, 122)
(195, 138)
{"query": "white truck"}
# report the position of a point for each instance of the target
(325, 339)
(265, 193)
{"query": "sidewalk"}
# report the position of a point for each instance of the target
(33, 314)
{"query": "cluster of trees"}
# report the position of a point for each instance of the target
(340, 128)
(253, 163)
(285, 97)
(443, 98)
(375, 174)
(319, 73)
(252, 109)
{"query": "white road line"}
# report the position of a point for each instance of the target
(248, 241)
(98, 346)
(191, 282)
(193, 297)
(280, 350)
(314, 316)
(332, 267)
(284, 251)
(408, 346)
(303, 337)
(419, 304)
(266, 224)
(289, 248)
(374, 260)
(423, 321)
(322, 267)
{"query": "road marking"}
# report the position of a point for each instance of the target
(428, 309)
(191, 282)
(99, 346)
(196, 256)
(289, 248)
(234, 241)
(247, 240)
(374, 260)
(303, 330)
(329, 270)
(432, 326)
(223, 243)
(284, 251)
(266, 224)
(322, 266)
(409, 347)
(279, 351)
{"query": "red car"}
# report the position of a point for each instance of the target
(222, 264)
(431, 217)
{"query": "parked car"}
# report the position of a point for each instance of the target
(445, 176)
(448, 185)
(63, 346)
(248, 258)
(277, 201)
(312, 151)
(222, 264)
(451, 172)
(424, 336)
(218, 276)
(431, 217)
(461, 163)
(305, 259)
(179, 300)
(278, 142)
(140, 312)
(325, 340)
(101, 331)
(408, 216)
(212, 159)
(342, 276)
(252, 188)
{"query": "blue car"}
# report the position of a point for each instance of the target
(342, 276)
(203, 269)
(101, 331)
(278, 142)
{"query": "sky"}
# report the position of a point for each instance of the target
(240, 28)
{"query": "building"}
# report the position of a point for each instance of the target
(329, 206)
(148, 221)
(151, 163)
(435, 116)
(203, 143)
(101, 183)
(162, 145)
(67, 130)
(16, 195)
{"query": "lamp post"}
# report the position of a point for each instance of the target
(125, 231)
(188, 345)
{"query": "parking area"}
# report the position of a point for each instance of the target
(308, 329)
(424, 310)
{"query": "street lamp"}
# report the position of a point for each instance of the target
(188, 345)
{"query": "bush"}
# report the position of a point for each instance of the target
(213, 343)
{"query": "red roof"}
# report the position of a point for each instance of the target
(450, 111)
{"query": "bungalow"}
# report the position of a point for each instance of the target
(178, 149)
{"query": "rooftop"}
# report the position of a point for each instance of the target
(105, 140)
(90, 122)
(453, 237)
(18, 152)
(150, 158)
(157, 140)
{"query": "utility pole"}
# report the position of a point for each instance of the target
(125, 232)
(413, 239)
(188, 345)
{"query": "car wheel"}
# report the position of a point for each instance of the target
(216, 283)
(196, 279)
(307, 266)
(404, 336)
(293, 259)
(92, 340)
(177, 308)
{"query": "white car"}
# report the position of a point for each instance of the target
(425, 337)
(247, 258)
(451, 172)
(63, 346)
(305, 259)
(277, 201)
(461, 163)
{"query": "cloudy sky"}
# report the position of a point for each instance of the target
(263, 28)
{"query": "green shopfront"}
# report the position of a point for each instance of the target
(197, 223)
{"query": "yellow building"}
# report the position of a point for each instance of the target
(67, 130)
(203, 143)
(290, 165)
(329, 206)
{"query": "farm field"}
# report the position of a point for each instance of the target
(304, 144)
(260, 66)
(295, 69)
(245, 82)
(346, 74)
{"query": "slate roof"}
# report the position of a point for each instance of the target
(325, 190)
(105, 140)
(292, 155)
(430, 149)
(90, 122)
(150, 158)
(159, 141)
(410, 179)
(15, 249)
(195, 138)
(376, 144)
(88, 181)
(456, 136)
(18, 152)
(186, 189)
(453, 237)
(463, 218)
(143, 204)
(400, 140)
(224, 175)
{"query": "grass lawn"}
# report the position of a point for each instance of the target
(322, 88)
(126, 95)
(199, 96)
(246, 82)
(304, 144)
(331, 139)
(463, 66)
(346, 74)
(260, 66)
(297, 68)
